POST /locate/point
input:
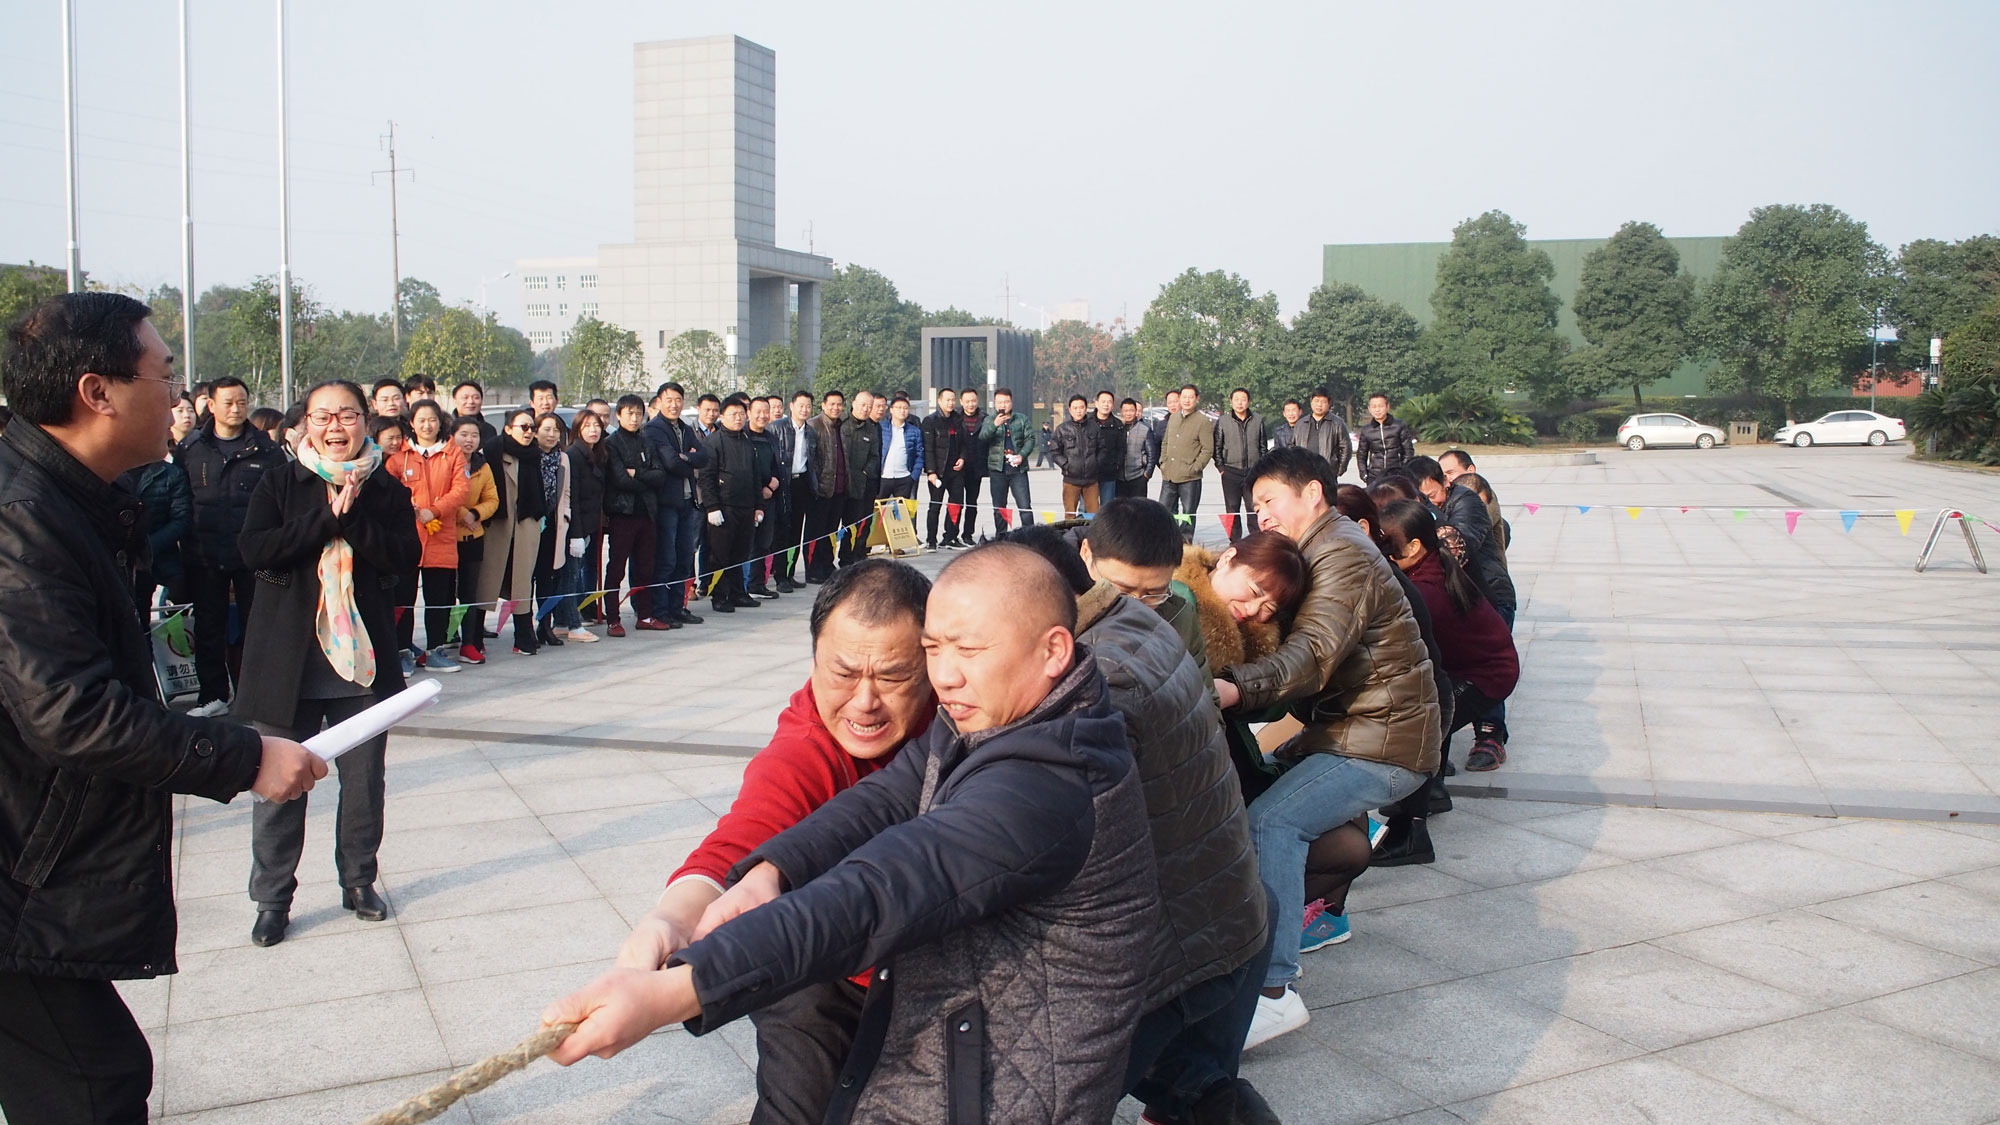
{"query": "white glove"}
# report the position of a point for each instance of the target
(715, 518)
(577, 547)
(760, 518)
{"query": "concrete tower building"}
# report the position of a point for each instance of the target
(705, 211)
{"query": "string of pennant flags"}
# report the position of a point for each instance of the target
(172, 617)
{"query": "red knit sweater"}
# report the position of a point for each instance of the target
(800, 770)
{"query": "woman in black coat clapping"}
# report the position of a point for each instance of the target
(327, 537)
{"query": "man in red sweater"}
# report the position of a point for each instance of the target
(868, 695)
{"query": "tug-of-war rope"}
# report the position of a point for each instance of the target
(474, 1078)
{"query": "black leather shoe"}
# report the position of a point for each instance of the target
(366, 904)
(1400, 849)
(548, 637)
(269, 929)
(722, 607)
(1437, 799)
(744, 601)
(687, 617)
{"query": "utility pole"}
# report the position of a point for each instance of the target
(187, 213)
(395, 251)
(69, 140)
(284, 218)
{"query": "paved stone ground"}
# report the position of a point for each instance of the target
(1592, 958)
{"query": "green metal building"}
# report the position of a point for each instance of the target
(1406, 272)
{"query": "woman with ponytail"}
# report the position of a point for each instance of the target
(1478, 650)
(507, 561)
(327, 537)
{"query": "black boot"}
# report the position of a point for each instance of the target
(524, 635)
(546, 635)
(721, 605)
(1408, 841)
(270, 927)
(366, 904)
(1436, 798)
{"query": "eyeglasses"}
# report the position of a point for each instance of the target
(347, 417)
(1152, 598)
(522, 428)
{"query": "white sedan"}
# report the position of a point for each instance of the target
(1641, 431)
(1850, 427)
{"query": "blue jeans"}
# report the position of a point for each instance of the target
(678, 530)
(569, 581)
(1180, 498)
(1012, 483)
(1318, 794)
(1183, 1048)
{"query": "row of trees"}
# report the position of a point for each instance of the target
(1789, 314)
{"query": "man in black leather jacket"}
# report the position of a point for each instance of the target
(89, 756)
(1386, 441)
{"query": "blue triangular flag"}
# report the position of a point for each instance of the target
(1583, 509)
(1847, 519)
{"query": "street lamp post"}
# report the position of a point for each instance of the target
(1874, 363)
(284, 220)
(69, 140)
(187, 212)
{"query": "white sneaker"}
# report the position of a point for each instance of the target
(213, 709)
(584, 636)
(1276, 1017)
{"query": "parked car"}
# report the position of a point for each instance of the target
(1843, 427)
(1643, 430)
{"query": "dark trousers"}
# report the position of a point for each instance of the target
(1494, 724)
(1182, 498)
(1190, 1043)
(1010, 490)
(70, 1051)
(728, 550)
(1468, 705)
(1136, 487)
(592, 563)
(216, 661)
(949, 490)
(763, 541)
(792, 532)
(820, 523)
(676, 530)
(471, 627)
(631, 548)
(902, 487)
(278, 831)
(856, 516)
(440, 586)
(968, 522)
(802, 1041)
(1235, 501)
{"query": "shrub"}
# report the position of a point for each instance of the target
(1462, 417)
(1964, 417)
(1581, 429)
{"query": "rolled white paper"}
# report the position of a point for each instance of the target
(345, 735)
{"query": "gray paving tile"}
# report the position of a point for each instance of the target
(641, 868)
(1780, 873)
(1363, 966)
(1940, 915)
(1837, 1067)
(1962, 1012)
(596, 829)
(1379, 887)
(511, 941)
(547, 797)
(484, 1015)
(694, 1080)
(1915, 849)
(1633, 902)
(1502, 855)
(433, 809)
(416, 848)
(537, 879)
(1461, 1039)
(300, 1049)
(1636, 833)
(298, 971)
(1640, 1091)
(1295, 1072)
(339, 1106)
(147, 999)
(1827, 960)
(1487, 930)
(1648, 996)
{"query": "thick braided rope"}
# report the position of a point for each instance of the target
(474, 1078)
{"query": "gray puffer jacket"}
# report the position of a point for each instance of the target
(1215, 908)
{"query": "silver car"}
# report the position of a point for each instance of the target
(1642, 431)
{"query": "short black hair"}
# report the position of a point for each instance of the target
(1295, 466)
(1425, 469)
(543, 385)
(1049, 543)
(879, 590)
(736, 400)
(265, 418)
(1464, 458)
(1135, 531)
(607, 402)
(900, 397)
(952, 391)
(380, 383)
(1101, 392)
(1186, 387)
(460, 421)
(797, 395)
(1079, 398)
(420, 383)
(228, 381)
(998, 391)
(63, 339)
(385, 423)
(1244, 391)
(1292, 402)
(669, 385)
(707, 398)
(417, 408)
(1129, 402)
(835, 393)
(1378, 394)
(633, 401)
(352, 388)
(1321, 392)
(464, 383)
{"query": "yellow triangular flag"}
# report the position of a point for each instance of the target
(1903, 518)
(1633, 512)
(1048, 516)
(589, 601)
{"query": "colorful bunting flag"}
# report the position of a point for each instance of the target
(1741, 515)
(457, 617)
(176, 630)
(1184, 518)
(1903, 518)
(589, 601)
(1229, 524)
(791, 559)
(1048, 516)
(1792, 520)
(1847, 519)
(1633, 512)
(1685, 509)
(548, 606)
(951, 512)
(1532, 508)
(1583, 509)
(1005, 516)
(506, 609)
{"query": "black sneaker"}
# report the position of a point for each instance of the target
(686, 616)
(1405, 845)
(763, 593)
(721, 606)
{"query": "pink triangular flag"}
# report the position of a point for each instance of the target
(1532, 508)
(1228, 524)
(1685, 509)
(1792, 521)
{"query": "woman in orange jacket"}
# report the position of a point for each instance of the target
(433, 469)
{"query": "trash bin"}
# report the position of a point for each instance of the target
(1745, 432)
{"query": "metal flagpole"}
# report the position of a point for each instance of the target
(69, 139)
(187, 211)
(284, 223)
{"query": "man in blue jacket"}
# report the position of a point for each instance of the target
(1011, 833)
(682, 452)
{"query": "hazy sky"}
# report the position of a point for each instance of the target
(1070, 150)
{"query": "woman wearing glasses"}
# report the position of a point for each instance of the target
(507, 565)
(327, 538)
